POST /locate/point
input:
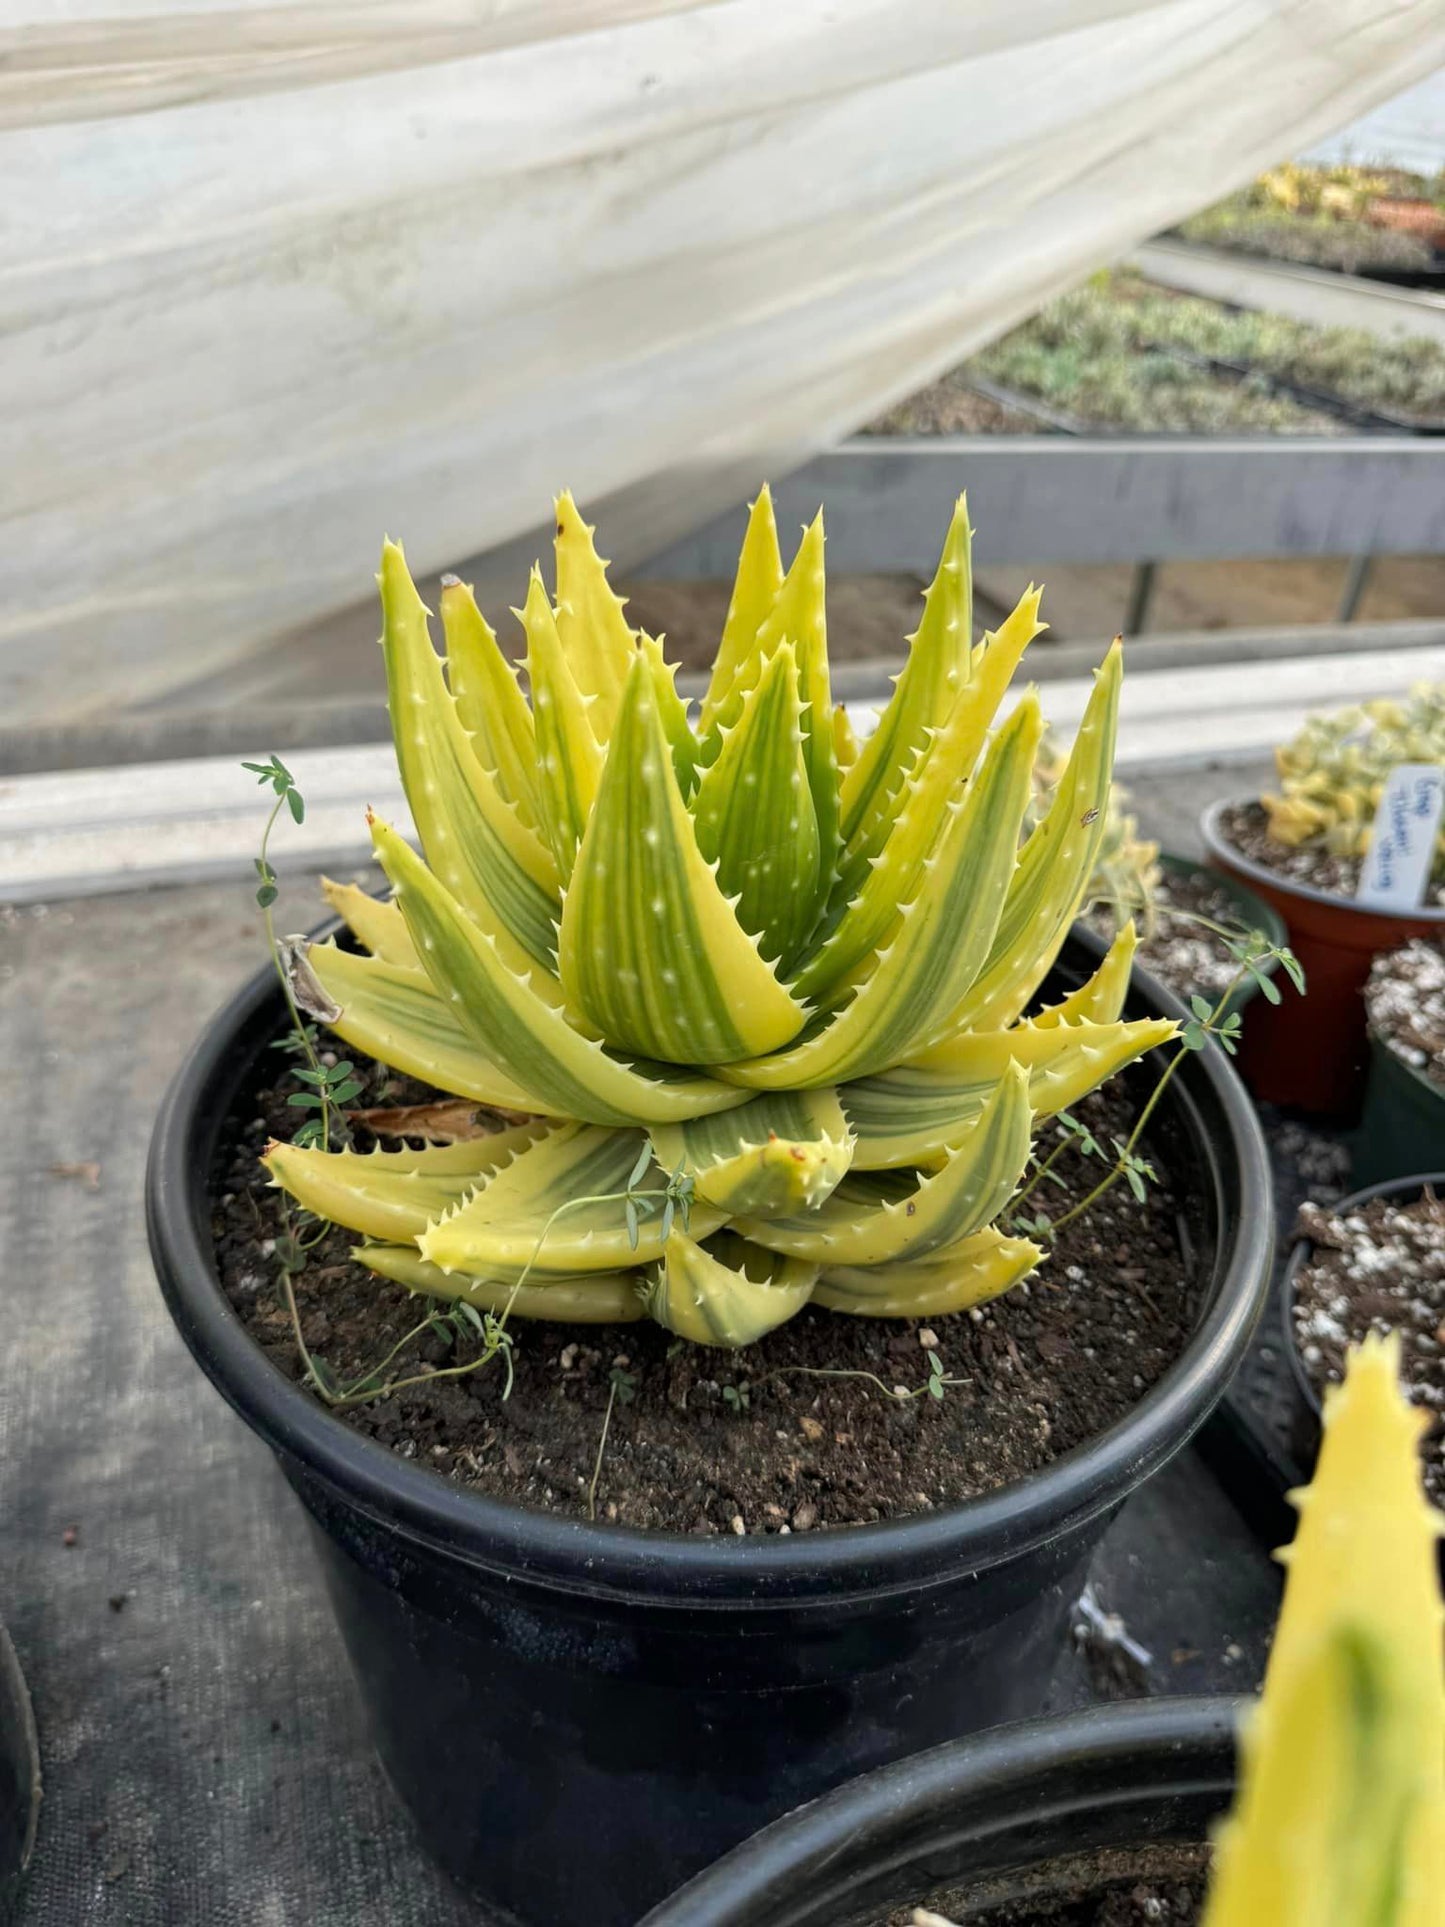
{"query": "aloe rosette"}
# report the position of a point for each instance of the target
(760, 991)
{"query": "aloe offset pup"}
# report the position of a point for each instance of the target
(759, 990)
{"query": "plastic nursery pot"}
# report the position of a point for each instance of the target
(1011, 1816)
(1308, 1415)
(1250, 911)
(580, 1716)
(1403, 1123)
(1311, 1052)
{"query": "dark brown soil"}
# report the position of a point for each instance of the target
(712, 1441)
(1382, 1269)
(1406, 1001)
(1245, 826)
(1146, 1887)
(1180, 953)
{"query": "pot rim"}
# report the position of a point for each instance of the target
(1380, 1042)
(1301, 1252)
(563, 1553)
(1176, 1746)
(1217, 844)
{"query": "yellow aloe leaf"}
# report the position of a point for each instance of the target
(798, 615)
(373, 921)
(933, 677)
(473, 838)
(672, 712)
(1054, 867)
(726, 1292)
(392, 1194)
(874, 885)
(910, 1116)
(490, 703)
(569, 761)
(781, 1152)
(595, 633)
(394, 1015)
(754, 817)
(759, 578)
(887, 1220)
(514, 1218)
(845, 740)
(650, 950)
(591, 1298)
(566, 1073)
(985, 1267)
(938, 939)
(1340, 1817)
(1100, 999)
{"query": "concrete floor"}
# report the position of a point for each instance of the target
(204, 1753)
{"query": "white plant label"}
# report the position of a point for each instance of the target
(1402, 843)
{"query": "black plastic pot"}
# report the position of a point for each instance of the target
(984, 1821)
(1402, 1126)
(579, 1716)
(1308, 1413)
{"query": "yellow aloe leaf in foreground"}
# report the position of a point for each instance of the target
(1100, 998)
(651, 952)
(1340, 1817)
(727, 1292)
(595, 633)
(567, 1074)
(985, 1267)
(473, 838)
(883, 1221)
(490, 704)
(781, 1152)
(392, 1194)
(528, 1209)
(593, 1298)
(569, 761)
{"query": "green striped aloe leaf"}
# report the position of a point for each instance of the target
(783, 1151)
(755, 588)
(583, 1298)
(569, 760)
(393, 1014)
(392, 1195)
(725, 1292)
(798, 615)
(596, 635)
(924, 695)
(985, 1267)
(519, 1026)
(1100, 998)
(490, 703)
(1054, 868)
(876, 883)
(754, 815)
(939, 939)
(909, 1116)
(533, 1209)
(473, 838)
(373, 921)
(672, 713)
(886, 1220)
(650, 950)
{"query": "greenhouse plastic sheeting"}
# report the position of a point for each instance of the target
(278, 277)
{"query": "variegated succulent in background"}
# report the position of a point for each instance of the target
(760, 990)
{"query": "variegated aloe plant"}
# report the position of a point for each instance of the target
(728, 962)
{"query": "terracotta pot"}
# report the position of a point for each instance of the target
(1312, 1053)
(1409, 215)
